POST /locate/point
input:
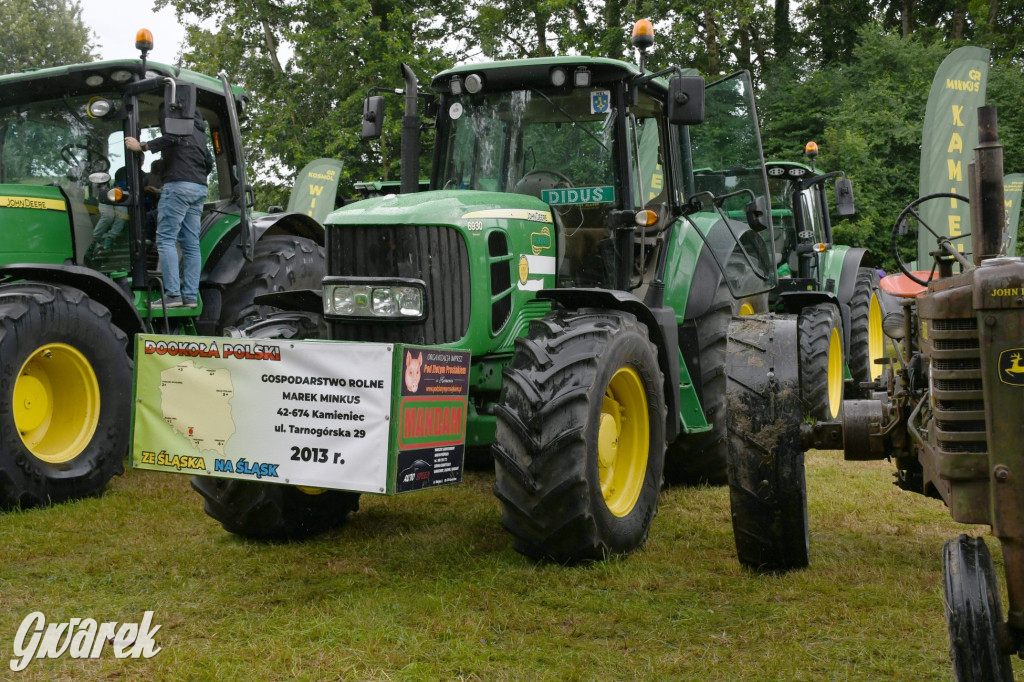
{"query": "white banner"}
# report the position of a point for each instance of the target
(298, 412)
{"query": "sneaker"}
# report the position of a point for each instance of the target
(168, 301)
(189, 303)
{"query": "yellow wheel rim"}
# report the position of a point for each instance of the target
(835, 373)
(623, 441)
(746, 309)
(876, 341)
(56, 403)
(311, 491)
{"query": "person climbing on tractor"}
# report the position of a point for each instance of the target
(187, 162)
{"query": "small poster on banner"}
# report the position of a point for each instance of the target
(432, 417)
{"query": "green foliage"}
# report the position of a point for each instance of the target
(308, 67)
(854, 76)
(41, 33)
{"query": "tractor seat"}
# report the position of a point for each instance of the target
(901, 286)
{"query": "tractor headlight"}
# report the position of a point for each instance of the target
(386, 299)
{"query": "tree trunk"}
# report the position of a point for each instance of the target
(783, 28)
(711, 43)
(271, 43)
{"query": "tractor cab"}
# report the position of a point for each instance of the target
(62, 134)
(598, 142)
(800, 210)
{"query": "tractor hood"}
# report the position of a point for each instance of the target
(441, 207)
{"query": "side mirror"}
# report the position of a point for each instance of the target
(179, 108)
(373, 117)
(686, 100)
(844, 197)
(757, 214)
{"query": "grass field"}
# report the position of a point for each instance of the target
(426, 586)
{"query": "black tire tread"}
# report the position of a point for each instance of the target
(767, 487)
(973, 611)
(540, 449)
(815, 325)
(859, 358)
(270, 511)
(280, 263)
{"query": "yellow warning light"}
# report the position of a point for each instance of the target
(821, 247)
(643, 34)
(811, 149)
(144, 40)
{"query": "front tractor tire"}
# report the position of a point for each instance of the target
(65, 395)
(271, 511)
(974, 612)
(820, 333)
(767, 486)
(580, 442)
(867, 341)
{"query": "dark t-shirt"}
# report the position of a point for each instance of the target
(186, 157)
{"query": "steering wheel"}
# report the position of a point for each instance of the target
(99, 161)
(910, 218)
(538, 179)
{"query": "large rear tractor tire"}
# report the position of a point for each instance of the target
(65, 395)
(820, 335)
(701, 458)
(280, 263)
(767, 487)
(867, 341)
(580, 441)
(270, 511)
(974, 612)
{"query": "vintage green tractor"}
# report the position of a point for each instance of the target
(950, 416)
(832, 287)
(77, 267)
(569, 250)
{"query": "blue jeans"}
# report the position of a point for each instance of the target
(177, 220)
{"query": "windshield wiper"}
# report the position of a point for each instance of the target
(571, 119)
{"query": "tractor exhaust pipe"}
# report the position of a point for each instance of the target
(411, 135)
(988, 213)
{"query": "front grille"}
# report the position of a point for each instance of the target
(955, 324)
(957, 364)
(960, 405)
(501, 280)
(957, 448)
(962, 427)
(956, 344)
(957, 386)
(435, 254)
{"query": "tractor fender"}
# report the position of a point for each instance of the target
(661, 325)
(852, 261)
(96, 286)
(701, 297)
(226, 261)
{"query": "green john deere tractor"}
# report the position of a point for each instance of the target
(568, 243)
(77, 267)
(833, 288)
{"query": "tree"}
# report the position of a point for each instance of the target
(308, 66)
(41, 33)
